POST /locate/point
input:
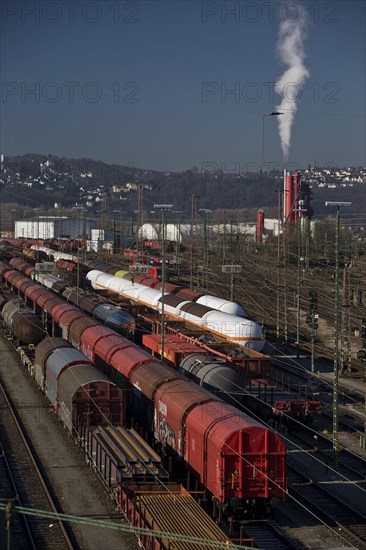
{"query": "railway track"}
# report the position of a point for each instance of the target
(346, 462)
(19, 533)
(267, 535)
(331, 509)
(309, 387)
(29, 485)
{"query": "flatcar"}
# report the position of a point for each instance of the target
(235, 329)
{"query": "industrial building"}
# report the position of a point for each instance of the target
(53, 227)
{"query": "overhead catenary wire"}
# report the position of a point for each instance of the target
(298, 502)
(82, 520)
(233, 450)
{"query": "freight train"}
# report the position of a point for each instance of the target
(240, 462)
(223, 378)
(228, 376)
(113, 316)
(233, 328)
(211, 372)
(78, 392)
(152, 280)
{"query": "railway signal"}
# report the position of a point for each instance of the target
(232, 269)
(313, 301)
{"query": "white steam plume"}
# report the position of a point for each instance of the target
(290, 47)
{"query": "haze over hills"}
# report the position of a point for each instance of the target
(43, 181)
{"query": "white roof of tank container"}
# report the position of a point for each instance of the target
(174, 231)
(149, 231)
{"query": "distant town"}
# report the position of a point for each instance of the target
(66, 183)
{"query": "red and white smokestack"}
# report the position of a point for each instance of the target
(284, 194)
(260, 226)
(289, 196)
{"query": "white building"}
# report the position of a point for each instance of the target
(53, 227)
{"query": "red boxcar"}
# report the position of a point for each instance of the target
(59, 310)
(66, 319)
(32, 293)
(23, 285)
(128, 358)
(235, 456)
(101, 342)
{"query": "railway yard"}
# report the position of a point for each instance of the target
(135, 415)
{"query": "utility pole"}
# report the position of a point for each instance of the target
(278, 268)
(205, 212)
(163, 208)
(312, 319)
(37, 252)
(224, 239)
(299, 265)
(117, 249)
(346, 325)
(140, 188)
(205, 256)
(193, 225)
(232, 287)
(79, 209)
(104, 224)
(178, 241)
(336, 328)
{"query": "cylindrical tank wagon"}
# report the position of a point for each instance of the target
(221, 305)
(215, 376)
(195, 363)
(22, 322)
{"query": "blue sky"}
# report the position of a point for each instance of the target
(145, 82)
